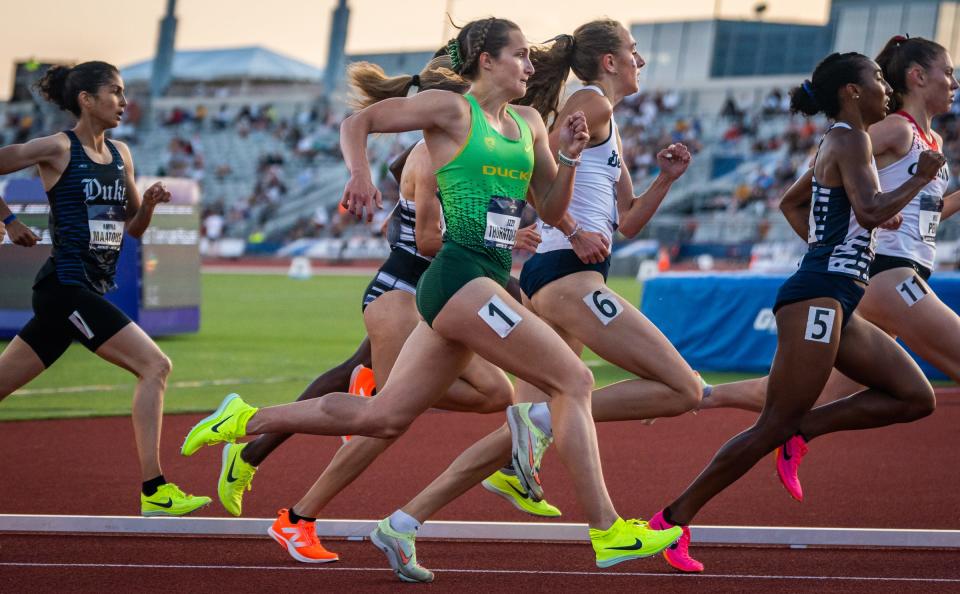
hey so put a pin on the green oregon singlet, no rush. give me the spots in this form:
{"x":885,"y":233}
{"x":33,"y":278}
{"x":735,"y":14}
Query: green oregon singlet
{"x":483,"y":190}
{"x":488,"y":169}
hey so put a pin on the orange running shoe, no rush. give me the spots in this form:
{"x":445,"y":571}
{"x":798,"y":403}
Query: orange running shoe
{"x":362,"y":383}
{"x":300,"y":540}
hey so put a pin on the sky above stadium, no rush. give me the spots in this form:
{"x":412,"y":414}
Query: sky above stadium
{"x":126,"y":32}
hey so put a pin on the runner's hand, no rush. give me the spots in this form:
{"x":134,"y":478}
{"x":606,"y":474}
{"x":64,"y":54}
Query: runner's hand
{"x":893,"y":223}
{"x":929,"y":164}
{"x":156,"y":194}
{"x":590,"y":247}
{"x":20,"y":234}
{"x":360,"y":195}
{"x":527,"y":239}
{"x":574,"y":135}
{"x":674,"y":160}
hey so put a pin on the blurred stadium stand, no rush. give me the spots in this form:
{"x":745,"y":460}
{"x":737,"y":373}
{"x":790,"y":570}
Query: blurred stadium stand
{"x":258,"y":132}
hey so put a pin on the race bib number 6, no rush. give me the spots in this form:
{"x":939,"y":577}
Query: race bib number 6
{"x":604,"y":305}
{"x":819,"y":324}
{"x":499,"y":316}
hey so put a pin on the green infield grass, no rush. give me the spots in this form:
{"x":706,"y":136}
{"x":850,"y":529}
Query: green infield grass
{"x":263,"y":336}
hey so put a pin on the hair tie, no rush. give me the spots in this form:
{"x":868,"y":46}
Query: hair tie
{"x":415,"y":81}
{"x":808,"y":88}
{"x":453,"y":50}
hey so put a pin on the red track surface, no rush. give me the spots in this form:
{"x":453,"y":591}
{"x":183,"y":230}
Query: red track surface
{"x":897,"y":477}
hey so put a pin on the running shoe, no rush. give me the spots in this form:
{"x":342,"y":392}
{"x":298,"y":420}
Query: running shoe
{"x":789,"y":456}
{"x":529,"y":443}
{"x":362,"y":383}
{"x":227,"y":423}
{"x":630,"y":539}
{"x":401,"y":551}
{"x":300,"y":540}
{"x":508,"y":487}
{"x":677,"y":554}
{"x":169,"y":500}
{"x":235,"y":478}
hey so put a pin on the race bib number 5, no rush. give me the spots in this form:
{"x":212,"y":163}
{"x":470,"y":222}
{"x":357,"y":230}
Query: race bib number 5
{"x":503,"y":221}
{"x":499,"y":316}
{"x":820,"y":324}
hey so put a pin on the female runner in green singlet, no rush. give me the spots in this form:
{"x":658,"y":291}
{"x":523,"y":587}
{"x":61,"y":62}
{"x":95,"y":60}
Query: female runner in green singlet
{"x":488,"y":157}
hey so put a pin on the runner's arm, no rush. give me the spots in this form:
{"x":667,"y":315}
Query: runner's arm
{"x":636,"y":211}
{"x":19,"y":233}
{"x":139,"y":209}
{"x":429,"y":213}
{"x":795,"y":204}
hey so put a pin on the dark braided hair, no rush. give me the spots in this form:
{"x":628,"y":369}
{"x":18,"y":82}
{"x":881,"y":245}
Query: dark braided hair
{"x":476,"y":37}
{"x":820,"y":93}
{"x":898,"y":55}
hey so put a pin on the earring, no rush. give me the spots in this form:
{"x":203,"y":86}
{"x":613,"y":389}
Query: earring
{"x":857,"y":97}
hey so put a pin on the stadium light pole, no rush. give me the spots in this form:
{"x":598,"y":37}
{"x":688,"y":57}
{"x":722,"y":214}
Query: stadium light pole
{"x":337,"y":50}
{"x":162,"y":67}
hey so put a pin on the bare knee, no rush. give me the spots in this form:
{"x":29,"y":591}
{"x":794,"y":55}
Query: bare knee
{"x":689,"y":393}
{"x":576,"y":382}
{"x":920,"y":403}
{"x":385,"y":424}
{"x":158,"y":368}
{"x":496,"y":397}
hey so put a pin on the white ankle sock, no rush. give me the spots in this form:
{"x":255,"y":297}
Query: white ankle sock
{"x":540,"y":415}
{"x":401,"y":521}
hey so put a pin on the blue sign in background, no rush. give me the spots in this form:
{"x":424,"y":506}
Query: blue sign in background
{"x":724,"y":322}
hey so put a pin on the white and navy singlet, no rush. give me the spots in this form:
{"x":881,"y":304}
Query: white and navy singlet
{"x":838,"y":244}
{"x":594,"y":202}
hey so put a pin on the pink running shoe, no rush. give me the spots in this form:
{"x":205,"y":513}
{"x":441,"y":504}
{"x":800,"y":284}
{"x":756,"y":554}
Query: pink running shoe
{"x":789,"y":456}
{"x":677,"y":554}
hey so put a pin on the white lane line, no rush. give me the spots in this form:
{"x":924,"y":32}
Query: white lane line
{"x":731,"y":576}
{"x":233,"y":381}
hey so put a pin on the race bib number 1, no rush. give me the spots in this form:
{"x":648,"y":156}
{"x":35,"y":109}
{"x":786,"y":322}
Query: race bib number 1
{"x":503,"y":221}
{"x":604,"y":305}
{"x":912,"y":291}
{"x":820,"y":324}
{"x":499,"y":316}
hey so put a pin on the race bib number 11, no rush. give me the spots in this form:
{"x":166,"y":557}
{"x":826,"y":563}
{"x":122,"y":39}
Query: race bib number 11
{"x":912,"y":291}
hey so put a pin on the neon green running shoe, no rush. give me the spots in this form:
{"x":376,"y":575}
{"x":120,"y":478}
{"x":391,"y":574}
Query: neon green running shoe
{"x":169,"y":500}
{"x":227,"y":423}
{"x":401,"y":551}
{"x":235,"y":478}
{"x":528,"y":443}
{"x":630,"y":539}
{"x":508,"y":487}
